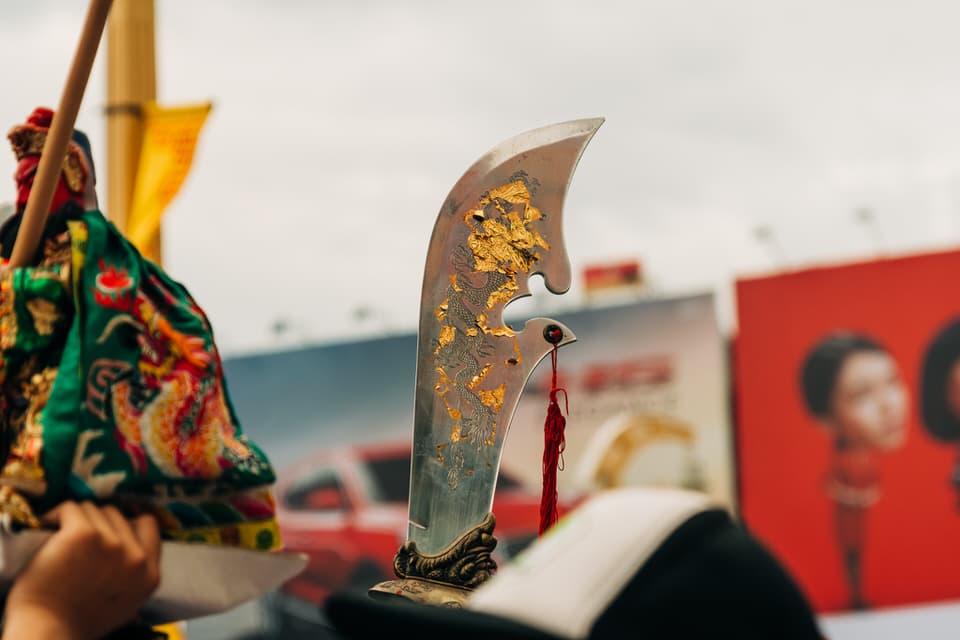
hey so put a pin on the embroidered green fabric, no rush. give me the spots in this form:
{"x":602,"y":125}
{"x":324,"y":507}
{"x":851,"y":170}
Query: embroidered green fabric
{"x":113,"y":390}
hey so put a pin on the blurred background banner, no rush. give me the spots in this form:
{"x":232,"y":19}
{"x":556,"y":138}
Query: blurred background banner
{"x":840,"y":384}
{"x":618,"y":276}
{"x":170,"y":137}
{"x":648,"y":398}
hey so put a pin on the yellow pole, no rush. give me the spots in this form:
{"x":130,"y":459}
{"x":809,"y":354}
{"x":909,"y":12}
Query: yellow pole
{"x":131,"y":81}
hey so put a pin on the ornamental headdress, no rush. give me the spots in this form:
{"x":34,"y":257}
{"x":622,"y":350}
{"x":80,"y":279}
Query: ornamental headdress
{"x":27,"y":140}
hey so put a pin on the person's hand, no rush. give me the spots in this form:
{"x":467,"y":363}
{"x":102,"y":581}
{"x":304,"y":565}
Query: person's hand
{"x":89,"y":578}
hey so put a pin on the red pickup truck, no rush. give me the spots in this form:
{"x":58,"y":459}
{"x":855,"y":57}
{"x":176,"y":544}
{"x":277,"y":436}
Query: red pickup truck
{"x":346,"y":508}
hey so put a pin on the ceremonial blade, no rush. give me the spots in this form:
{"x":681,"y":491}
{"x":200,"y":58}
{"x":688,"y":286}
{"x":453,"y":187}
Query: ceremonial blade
{"x":500,"y":224}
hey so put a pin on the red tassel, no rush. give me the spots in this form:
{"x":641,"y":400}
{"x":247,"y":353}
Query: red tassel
{"x":553,"y":446}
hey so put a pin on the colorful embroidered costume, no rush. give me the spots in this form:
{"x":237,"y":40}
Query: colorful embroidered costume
{"x":112,"y":386}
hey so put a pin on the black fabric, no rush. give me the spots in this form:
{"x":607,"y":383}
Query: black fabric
{"x":136,"y":631}
{"x":356,"y":615}
{"x":709,"y":579}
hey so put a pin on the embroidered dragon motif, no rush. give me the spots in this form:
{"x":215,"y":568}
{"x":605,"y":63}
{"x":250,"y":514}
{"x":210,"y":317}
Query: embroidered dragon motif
{"x":169,"y":409}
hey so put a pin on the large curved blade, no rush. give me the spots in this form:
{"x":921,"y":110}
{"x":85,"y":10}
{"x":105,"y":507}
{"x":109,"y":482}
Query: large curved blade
{"x":500,"y":224}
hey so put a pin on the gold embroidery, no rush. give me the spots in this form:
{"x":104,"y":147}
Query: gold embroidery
{"x":8,"y":317}
{"x":57,"y":251}
{"x":14,"y":505}
{"x":23,"y":470}
{"x":78,"y":250}
{"x":45,"y":315}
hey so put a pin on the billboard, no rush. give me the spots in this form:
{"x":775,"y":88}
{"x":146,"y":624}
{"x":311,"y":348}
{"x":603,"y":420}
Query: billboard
{"x":847,"y":394}
{"x":648,"y":401}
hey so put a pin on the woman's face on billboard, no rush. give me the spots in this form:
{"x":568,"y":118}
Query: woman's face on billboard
{"x":870,"y":401}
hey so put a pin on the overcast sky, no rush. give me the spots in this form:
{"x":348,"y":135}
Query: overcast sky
{"x":340,"y":126}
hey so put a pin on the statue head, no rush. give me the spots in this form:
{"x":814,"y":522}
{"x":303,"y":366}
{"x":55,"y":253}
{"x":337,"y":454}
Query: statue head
{"x":77,"y":178}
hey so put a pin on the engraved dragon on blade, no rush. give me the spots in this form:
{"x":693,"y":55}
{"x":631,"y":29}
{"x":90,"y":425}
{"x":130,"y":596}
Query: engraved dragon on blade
{"x":502,"y":244}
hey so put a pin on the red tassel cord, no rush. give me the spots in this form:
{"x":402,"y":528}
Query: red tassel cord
{"x":553,"y":446}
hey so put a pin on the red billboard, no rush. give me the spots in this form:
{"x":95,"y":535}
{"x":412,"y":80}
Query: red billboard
{"x":845,"y":430}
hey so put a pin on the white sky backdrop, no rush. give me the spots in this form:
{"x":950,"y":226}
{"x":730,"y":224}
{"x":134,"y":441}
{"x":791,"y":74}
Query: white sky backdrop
{"x":340,"y":126}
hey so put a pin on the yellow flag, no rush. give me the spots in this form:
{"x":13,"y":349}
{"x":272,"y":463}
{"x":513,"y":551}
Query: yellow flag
{"x":169,"y":139}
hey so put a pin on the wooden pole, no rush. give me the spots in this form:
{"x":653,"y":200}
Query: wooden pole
{"x":131,"y":81}
{"x":55,"y":147}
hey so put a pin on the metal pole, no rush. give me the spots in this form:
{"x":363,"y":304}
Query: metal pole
{"x":131,"y":81}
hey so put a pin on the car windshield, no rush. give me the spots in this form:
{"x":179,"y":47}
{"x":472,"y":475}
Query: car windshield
{"x":389,"y":479}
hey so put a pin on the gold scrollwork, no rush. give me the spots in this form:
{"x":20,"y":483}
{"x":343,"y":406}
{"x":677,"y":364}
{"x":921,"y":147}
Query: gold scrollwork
{"x":465,"y":564}
{"x":45,"y":315}
{"x":423,"y":592}
{"x":8,"y":316}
